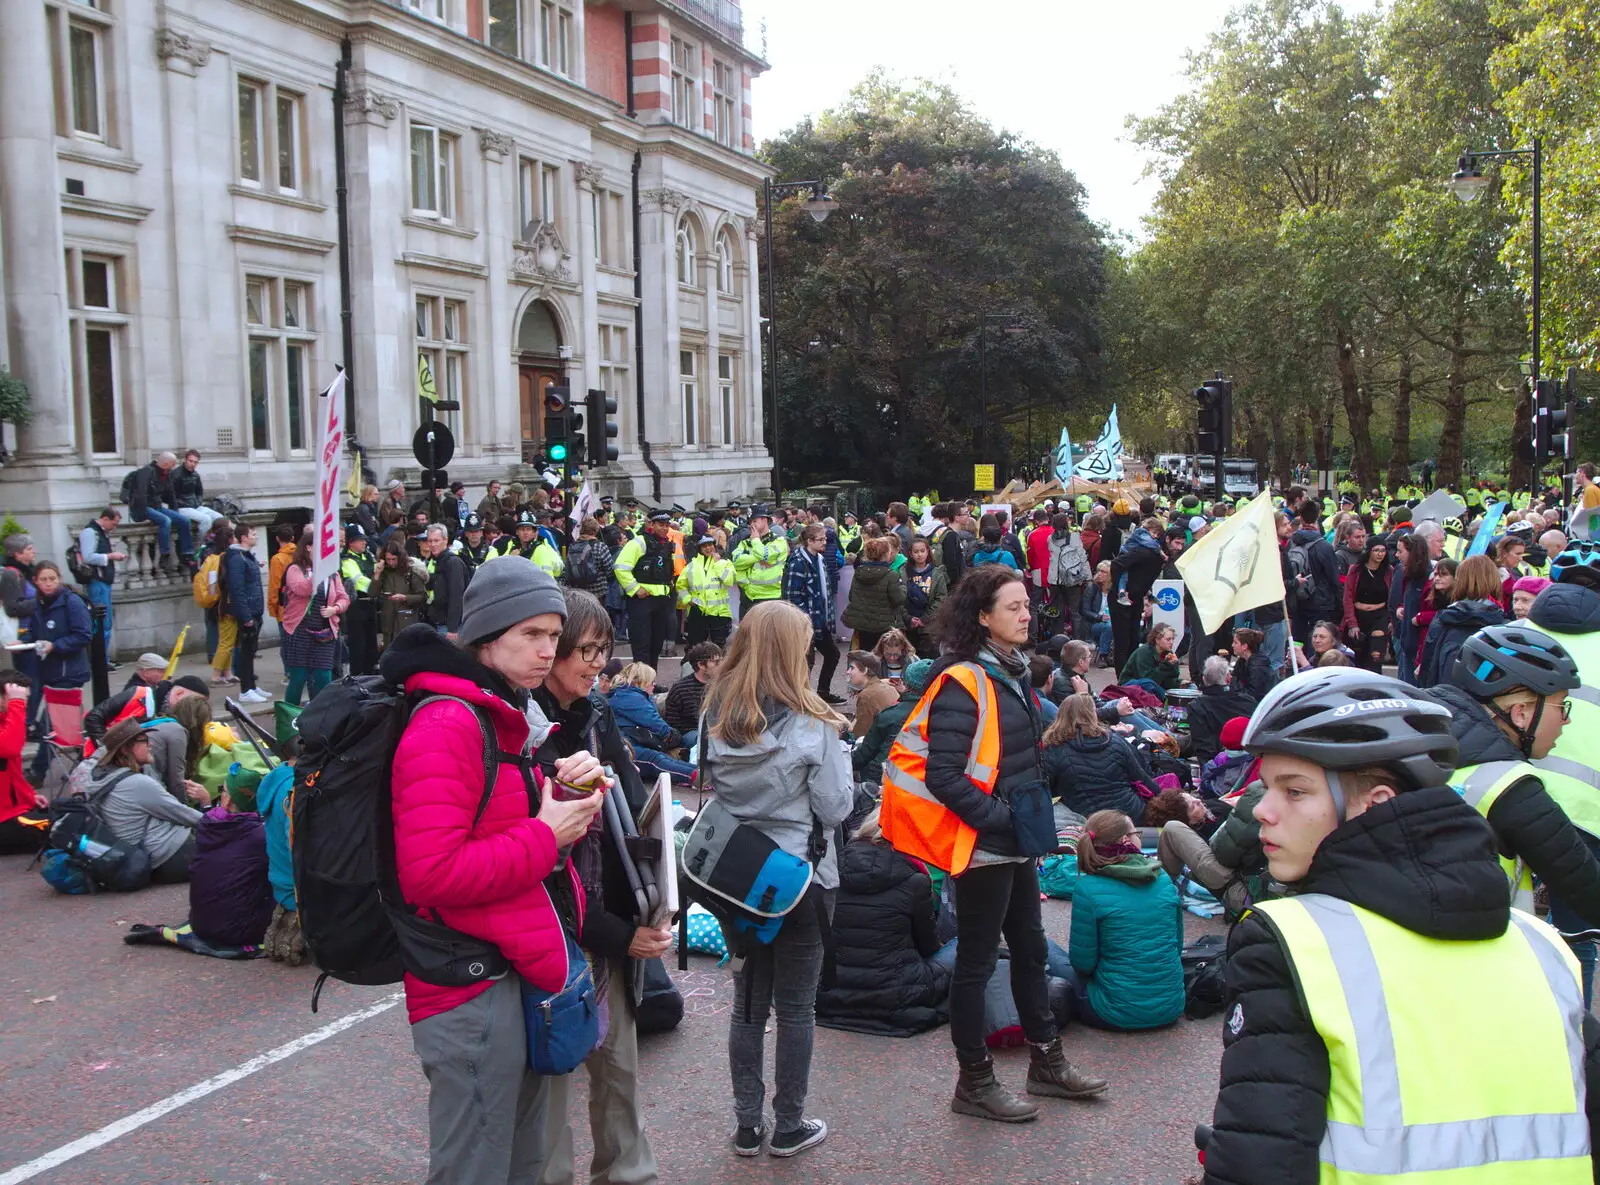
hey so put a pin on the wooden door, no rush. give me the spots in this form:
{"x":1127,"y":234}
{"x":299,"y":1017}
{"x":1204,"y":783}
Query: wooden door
{"x":531,"y":384}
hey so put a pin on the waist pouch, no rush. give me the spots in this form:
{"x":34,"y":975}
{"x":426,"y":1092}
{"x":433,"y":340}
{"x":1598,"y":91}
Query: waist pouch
{"x":436,"y":954}
{"x":1033,"y":819}
{"x":564,"y":1026}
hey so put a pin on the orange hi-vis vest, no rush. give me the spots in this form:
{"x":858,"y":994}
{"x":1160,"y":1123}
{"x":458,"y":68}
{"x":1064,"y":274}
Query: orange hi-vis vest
{"x":913,"y":820}
{"x":141,"y":707}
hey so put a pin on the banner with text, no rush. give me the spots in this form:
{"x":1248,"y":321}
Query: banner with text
{"x":325,"y":538}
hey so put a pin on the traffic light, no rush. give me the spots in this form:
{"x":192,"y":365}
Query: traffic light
{"x":557,"y":403}
{"x":1546,"y":401}
{"x":1214,"y":422}
{"x":602,"y":428}
{"x":577,"y":439}
{"x":1563,"y":441}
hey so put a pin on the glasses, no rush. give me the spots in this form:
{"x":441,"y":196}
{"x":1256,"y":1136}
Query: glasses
{"x":1566,"y":711}
{"x":594,"y":652}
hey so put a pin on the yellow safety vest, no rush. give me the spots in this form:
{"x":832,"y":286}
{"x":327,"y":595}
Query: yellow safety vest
{"x":547,"y":558}
{"x":1571,"y":772}
{"x":759,"y":565}
{"x":704,"y":584}
{"x":1422,"y":1090}
{"x":1481,"y":786}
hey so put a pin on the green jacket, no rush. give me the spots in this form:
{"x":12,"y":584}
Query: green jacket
{"x":1127,"y":939}
{"x":868,"y":757}
{"x":1237,"y":843}
{"x":1143,"y":664}
{"x":758,"y":565}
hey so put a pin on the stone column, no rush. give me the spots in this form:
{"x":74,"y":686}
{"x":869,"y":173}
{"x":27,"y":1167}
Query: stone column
{"x":494,"y":425}
{"x":30,"y":235}
{"x":754,"y":376}
{"x":658,"y":258}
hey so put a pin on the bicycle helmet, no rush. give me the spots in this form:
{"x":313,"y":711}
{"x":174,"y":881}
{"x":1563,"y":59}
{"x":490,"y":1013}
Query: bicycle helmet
{"x":1347,"y":719}
{"x":1579,"y":563}
{"x":1502,"y":658}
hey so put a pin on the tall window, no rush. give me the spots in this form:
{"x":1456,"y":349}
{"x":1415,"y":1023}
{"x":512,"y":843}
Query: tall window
{"x":725,"y":98}
{"x":687,"y":260}
{"x":549,"y":193}
{"x":689,"y":396}
{"x":504,"y":34}
{"x":269,"y":136}
{"x":96,"y":323}
{"x":538,"y":194}
{"x":555,"y":35}
{"x":279,"y":341}
{"x":85,"y":66}
{"x":725,"y":395}
{"x":616,"y":365}
{"x":725,"y":262}
{"x":611,"y":229}
{"x":433,"y":173}
{"x":685,"y":83}
{"x":441,"y":356}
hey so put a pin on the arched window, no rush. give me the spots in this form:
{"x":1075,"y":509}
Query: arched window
{"x":686,"y":254}
{"x":725,"y":263}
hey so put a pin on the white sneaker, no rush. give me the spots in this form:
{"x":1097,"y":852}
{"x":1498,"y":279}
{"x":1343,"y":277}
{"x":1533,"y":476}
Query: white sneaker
{"x":255,"y":697}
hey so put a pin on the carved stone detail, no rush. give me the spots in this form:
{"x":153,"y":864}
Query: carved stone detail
{"x":540,"y":256}
{"x":495,"y":144}
{"x":589,"y":176}
{"x":181,"y":52}
{"x":668,"y":200}
{"x":368,"y":106}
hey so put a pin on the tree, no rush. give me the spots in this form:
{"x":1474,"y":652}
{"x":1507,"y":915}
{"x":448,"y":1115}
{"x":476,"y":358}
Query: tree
{"x":942,"y":219}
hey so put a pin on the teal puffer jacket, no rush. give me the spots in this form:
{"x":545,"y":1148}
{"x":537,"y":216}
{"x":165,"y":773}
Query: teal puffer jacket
{"x":1127,"y":936}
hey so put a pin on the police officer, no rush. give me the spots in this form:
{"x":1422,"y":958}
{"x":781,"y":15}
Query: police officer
{"x":644,"y":571}
{"x":1394,"y":1018}
{"x":472,"y":547}
{"x":759,"y":561}
{"x":360,"y":621}
{"x":703,"y":588}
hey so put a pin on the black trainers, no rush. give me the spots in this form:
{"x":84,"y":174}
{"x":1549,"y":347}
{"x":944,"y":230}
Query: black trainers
{"x":829,"y":698}
{"x":809,"y":1134}
{"x":747,"y":1140}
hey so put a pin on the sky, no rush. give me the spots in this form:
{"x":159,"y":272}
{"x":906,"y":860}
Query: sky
{"x":1062,"y":73}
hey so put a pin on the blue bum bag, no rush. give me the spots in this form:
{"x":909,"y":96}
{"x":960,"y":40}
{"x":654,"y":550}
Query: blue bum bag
{"x":564,"y":1026}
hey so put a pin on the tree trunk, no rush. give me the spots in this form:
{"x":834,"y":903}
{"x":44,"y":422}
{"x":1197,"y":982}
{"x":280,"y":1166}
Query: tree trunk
{"x":1322,"y":434}
{"x":1357,"y":410}
{"x":1455,"y":415}
{"x":1297,"y":447}
{"x":1400,"y":440}
{"x":1283,"y":461}
{"x":1522,"y":472}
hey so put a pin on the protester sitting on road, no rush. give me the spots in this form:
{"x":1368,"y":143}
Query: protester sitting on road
{"x":177,"y":742}
{"x":1202,"y":817}
{"x":1127,"y":932}
{"x":138,"y":808}
{"x":1397,"y":883}
{"x":877,"y":594}
{"x":143,"y":699}
{"x":682,"y":709}
{"x":652,"y":737}
{"x":1324,"y":641}
{"x":1153,"y":665}
{"x":230,"y":896}
{"x":872,"y":746}
{"x":1253,"y":671}
{"x":614,"y":935}
{"x":1088,"y":766}
{"x":483,"y":871}
{"x":885,"y":934}
{"x":1524,"y":592}
{"x":17,"y":797}
{"x":1475,"y":603}
{"x":864,"y":678}
{"x":894,"y":651}
{"x":283,"y":942}
{"x":1218,"y":704}
{"x":1096,"y":612}
{"x":770,"y":746}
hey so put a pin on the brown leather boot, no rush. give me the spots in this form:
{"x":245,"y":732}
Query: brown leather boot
{"x":979,"y":1093}
{"x":1050,"y":1073}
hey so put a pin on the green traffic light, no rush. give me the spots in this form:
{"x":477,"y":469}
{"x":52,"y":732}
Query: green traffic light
{"x":558,"y":452}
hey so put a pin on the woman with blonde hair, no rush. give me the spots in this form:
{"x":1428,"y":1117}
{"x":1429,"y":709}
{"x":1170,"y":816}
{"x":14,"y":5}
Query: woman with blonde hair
{"x":770,"y":748}
{"x":1091,"y":768}
{"x":653,"y":739}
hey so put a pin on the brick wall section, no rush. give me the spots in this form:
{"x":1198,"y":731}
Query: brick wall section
{"x":475,"y":24}
{"x":605,"y":48}
{"x":745,"y":114}
{"x":652,"y":68}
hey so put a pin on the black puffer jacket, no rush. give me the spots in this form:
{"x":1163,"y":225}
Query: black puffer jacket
{"x":1527,"y":821}
{"x":884,"y":932}
{"x":952,"y":721}
{"x":1426,"y":861}
{"x":1454,"y":624}
{"x":1215,"y":707}
{"x":1092,"y":774}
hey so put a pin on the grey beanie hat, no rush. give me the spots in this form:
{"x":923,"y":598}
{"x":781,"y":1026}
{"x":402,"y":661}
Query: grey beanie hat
{"x":504,"y":592}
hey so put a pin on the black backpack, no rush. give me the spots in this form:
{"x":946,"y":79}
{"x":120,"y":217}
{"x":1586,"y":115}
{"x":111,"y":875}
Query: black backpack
{"x":582,"y":571}
{"x":79,"y":829}
{"x":125,"y":493}
{"x":1205,"y":963}
{"x":81,"y":572}
{"x":1300,"y":565}
{"x":356,"y":925}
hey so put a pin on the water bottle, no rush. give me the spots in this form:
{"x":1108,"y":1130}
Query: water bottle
{"x":90,"y":849}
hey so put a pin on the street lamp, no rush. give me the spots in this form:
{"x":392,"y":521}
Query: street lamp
{"x":1009,"y":321}
{"x":819,"y":205}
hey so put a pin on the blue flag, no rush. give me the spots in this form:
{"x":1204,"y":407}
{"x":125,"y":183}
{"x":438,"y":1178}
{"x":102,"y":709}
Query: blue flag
{"x":1063,"y":459}
{"x":1103,"y":462}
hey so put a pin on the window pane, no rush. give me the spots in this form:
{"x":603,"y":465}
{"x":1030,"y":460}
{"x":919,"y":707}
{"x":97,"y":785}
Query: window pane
{"x":84,"y":50}
{"x":249,"y":131}
{"x":527,"y":183}
{"x":724,"y":366}
{"x":727,"y":413}
{"x":446,"y":205}
{"x":424,"y":319}
{"x":563,"y":43}
{"x":599,"y":230}
{"x":452,"y":321}
{"x":546,"y":31}
{"x":255,"y":302}
{"x":296,"y":376}
{"x":686,"y":363}
{"x":549,"y":190}
{"x":503,"y":26}
{"x":293,"y":300}
{"x":288,"y":142}
{"x":452,"y":376}
{"x":96,"y":284}
{"x":690,"y":426}
{"x":100,"y":370}
{"x":260,"y":438}
{"x":422,"y":170}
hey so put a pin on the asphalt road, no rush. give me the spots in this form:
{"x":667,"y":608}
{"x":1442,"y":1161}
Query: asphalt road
{"x":93,"y":1032}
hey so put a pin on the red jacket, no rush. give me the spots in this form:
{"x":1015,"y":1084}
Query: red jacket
{"x":486,"y":880}
{"x":16,"y":796}
{"x":1039,"y":551}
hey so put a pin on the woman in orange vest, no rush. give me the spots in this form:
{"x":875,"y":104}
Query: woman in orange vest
{"x":971,"y":742}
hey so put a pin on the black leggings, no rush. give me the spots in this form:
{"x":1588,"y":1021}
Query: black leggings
{"x":994,"y":900}
{"x":822,"y":643}
{"x":244,"y":655}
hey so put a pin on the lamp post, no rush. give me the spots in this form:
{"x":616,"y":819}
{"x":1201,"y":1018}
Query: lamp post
{"x":819,"y":205}
{"x":985,"y":320}
{"x":1468,"y":183}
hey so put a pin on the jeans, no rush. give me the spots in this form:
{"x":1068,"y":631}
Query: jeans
{"x":994,"y":900}
{"x":1100,"y":631}
{"x":781,"y":977}
{"x":1564,"y":917}
{"x":100,"y":594}
{"x":299,"y":677}
{"x":1275,"y":642}
{"x":165,"y":520}
{"x":202,"y":517}
{"x":662,"y":762}
{"x":1078,"y":1001}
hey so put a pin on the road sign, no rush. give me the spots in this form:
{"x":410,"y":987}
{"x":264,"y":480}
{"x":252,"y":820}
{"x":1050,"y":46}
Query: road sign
{"x":433,"y":445}
{"x":982,"y":479}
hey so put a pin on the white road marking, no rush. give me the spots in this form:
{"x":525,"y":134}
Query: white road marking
{"x":128,"y":1123}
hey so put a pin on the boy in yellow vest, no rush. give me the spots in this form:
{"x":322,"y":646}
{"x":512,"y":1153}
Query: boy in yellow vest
{"x":1392,"y":1018}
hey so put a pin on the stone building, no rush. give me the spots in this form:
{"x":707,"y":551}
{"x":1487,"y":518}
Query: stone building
{"x":539,"y":191}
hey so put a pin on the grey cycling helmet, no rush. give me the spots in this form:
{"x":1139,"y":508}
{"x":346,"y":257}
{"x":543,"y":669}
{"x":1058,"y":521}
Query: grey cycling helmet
{"x":1502,"y":658}
{"x":1346,"y":719}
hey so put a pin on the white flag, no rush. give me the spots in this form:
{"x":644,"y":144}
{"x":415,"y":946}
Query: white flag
{"x":325,"y":539}
{"x":583,"y":507}
{"x":1103,"y":461}
{"x":1063,"y":459}
{"x":1234,"y":566}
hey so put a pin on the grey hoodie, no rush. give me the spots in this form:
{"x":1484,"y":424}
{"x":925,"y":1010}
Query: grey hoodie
{"x":797,"y":768}
{"x":139,"y":810}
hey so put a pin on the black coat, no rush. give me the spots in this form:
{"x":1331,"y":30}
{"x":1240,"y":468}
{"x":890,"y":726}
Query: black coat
{"x":1426,"y":861}
{"x":1256,"y":675}
{"x":1092,"y":774}
{"x":884,"y":932}
{"x":952,"y":721}
{"x":1215,"y":707}
{"x":1453,"y":625}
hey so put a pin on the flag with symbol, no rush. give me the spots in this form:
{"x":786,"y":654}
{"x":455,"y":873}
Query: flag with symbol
{"x":1063,"y":459}
{"x":583,"y":507}
{"x":1235,"y":566}
{"x":1103,"y":462}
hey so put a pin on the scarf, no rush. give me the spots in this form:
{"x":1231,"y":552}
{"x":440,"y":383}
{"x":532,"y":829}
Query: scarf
{"x":1114,"y":850}
{"x":1012,"y":662}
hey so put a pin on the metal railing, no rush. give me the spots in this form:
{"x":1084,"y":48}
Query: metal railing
{"x":723,"y":16}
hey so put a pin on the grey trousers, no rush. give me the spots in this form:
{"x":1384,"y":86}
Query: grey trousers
{"x":1178,"y":845}
{"x":783,"y":978}
{"x":486,"y":1109}
{"x":622,"y":1152}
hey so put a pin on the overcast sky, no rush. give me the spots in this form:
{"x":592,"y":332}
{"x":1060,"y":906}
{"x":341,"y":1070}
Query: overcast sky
{"x":1063,"y":73}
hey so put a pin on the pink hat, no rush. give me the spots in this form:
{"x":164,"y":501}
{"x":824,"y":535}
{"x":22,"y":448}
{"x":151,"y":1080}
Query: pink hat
{"x":1533,"y":584}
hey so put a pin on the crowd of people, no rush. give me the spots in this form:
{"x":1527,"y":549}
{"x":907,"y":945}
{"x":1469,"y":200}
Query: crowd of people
{"x":1345,"y":820}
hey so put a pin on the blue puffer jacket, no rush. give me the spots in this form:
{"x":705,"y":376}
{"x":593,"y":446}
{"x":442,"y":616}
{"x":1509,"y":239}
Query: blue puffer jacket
{"x":1092,"y":774}
{"x":241,"y":576}
{"x":63,"y":621}
{"x":1127,"y":936}
{"x":634,"y":708}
